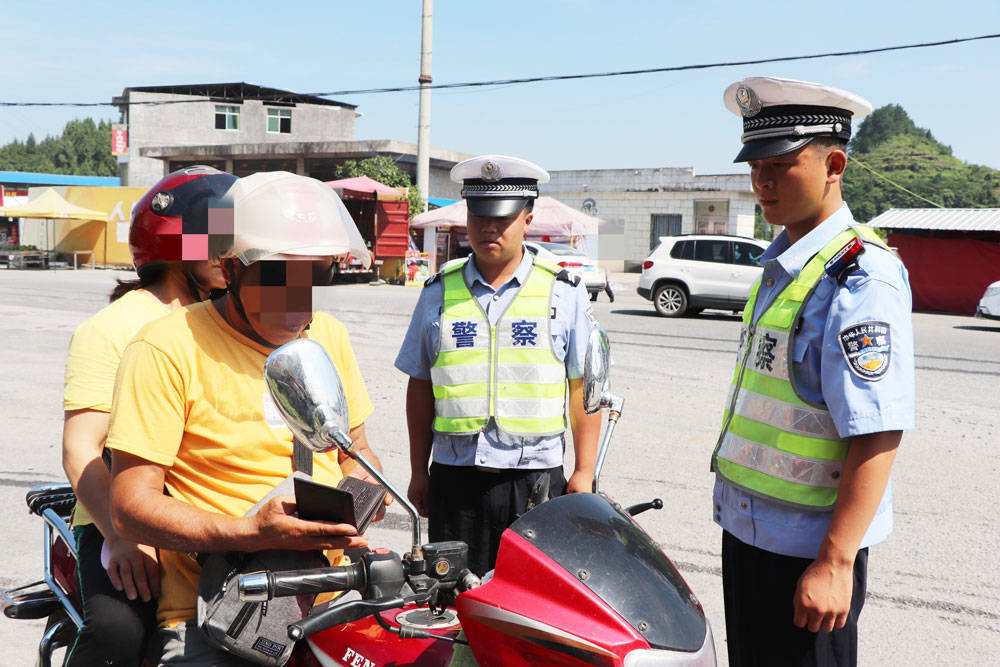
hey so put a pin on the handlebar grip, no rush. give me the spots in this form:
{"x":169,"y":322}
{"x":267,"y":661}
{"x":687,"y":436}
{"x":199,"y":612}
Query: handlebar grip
{"x":340,"y":614}
{"x":654,"y":504}
{"x":302,"y":582}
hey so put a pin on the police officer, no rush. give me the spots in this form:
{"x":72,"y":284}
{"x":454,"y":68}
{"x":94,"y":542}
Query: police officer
{"x":822,"y":391}
{"x":493,"y":342}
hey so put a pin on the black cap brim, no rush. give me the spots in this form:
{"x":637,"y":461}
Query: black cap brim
{"x":495,"y":207}
{"x":759,"y":149}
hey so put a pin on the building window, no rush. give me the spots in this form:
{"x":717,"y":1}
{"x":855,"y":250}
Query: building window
{"x":227,"y":117}
{"x":663,"y":224}
{"x":279,"y":121}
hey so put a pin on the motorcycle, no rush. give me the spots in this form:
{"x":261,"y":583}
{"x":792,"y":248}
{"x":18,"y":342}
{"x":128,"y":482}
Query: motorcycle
{"x":577,"y":580}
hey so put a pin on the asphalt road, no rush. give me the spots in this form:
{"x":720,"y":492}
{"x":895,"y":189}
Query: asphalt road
{"x":933,"y":596}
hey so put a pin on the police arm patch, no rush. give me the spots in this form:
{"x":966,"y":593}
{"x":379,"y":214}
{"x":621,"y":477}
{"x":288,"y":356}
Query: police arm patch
{"x":867,"y":348}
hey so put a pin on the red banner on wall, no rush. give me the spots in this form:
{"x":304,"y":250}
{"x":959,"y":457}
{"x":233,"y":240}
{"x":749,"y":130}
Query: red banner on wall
{"x":119,"y":139}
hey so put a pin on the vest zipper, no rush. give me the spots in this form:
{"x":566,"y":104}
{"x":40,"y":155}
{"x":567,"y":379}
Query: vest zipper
{"x":751,"y":330}
{"x":490,"y":393}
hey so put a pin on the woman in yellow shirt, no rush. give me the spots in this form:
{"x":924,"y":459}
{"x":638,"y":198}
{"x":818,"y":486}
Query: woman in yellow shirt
{"x":172,"y":249}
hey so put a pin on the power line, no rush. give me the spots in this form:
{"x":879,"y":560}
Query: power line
{"x":537,"y":79}
{"x":892,"y":182}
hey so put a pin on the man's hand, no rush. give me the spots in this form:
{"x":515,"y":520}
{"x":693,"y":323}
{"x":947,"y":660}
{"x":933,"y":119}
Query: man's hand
{"x":823,"y":596}
{"x":419,"y":492}
{"x":134,"y":569}
{"x":277,"y":527}
{"x":581,"y":481}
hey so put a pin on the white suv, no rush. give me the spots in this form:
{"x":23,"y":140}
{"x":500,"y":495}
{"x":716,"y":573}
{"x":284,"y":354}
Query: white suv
{"x":687,"y":273}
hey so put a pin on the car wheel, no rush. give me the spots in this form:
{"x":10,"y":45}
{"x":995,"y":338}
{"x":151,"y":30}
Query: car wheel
{"x":670,"y":300}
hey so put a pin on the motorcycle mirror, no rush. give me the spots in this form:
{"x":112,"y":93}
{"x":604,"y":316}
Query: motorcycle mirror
{"x":308,"y":394}
{"x":307,"y":391}
{"x":596,"y":382}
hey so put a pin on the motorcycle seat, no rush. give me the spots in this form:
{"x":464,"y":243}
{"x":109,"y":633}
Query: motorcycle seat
{"x":57,"y":497}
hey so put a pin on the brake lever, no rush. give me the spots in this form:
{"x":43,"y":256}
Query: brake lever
{"x":340,"y":614}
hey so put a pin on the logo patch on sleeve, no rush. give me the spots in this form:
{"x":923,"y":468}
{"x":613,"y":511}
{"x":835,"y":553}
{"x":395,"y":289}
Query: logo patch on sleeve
{"x":867,"y":348}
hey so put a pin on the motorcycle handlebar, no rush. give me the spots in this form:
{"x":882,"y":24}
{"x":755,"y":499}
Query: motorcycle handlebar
{"x":262,"y":586}
{"x":340,"y":614}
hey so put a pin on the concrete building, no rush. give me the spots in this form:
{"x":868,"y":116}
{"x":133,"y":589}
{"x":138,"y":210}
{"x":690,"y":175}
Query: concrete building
{"x":244,"y":128}
{"x":637,"y":206}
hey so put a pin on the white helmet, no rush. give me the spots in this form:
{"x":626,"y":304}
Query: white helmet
{"x":280,"y":213}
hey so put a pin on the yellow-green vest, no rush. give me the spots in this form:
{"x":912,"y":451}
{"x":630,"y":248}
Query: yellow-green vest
{"x":509,"y":372}
{"x":774,"y":443}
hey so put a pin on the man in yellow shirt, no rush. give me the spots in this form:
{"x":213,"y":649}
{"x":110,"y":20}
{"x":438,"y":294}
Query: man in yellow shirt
{"x":192,"y":414}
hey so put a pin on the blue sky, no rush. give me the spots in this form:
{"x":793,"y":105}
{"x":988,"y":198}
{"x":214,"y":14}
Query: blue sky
{"x":61,"y":51}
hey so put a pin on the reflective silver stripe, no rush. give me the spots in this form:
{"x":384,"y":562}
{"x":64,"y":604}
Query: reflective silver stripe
{"x":741,"y":348}
{"x":459,"y":408}
{"x":769,"y":353}
{"x":779,"y":464}
{"x":799,"y":419}
{"x":531,"y":373}
{"x":460,"y":374}
{"x":516,"y":408}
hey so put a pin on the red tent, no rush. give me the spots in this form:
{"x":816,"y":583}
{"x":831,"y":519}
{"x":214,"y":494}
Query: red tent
{"x":365,"y":185}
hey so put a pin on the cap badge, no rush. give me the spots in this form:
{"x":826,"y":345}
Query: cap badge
{"x":161,"y":202}
{"x":748,"y":101}
{"x":491,"y":171}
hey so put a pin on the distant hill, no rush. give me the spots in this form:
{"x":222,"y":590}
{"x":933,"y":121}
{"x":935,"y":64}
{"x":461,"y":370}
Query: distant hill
{"x":890,"y":143}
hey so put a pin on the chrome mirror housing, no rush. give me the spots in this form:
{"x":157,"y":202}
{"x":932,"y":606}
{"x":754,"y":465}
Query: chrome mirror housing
{"x":596,"y":380}
{"x":308,"y":394}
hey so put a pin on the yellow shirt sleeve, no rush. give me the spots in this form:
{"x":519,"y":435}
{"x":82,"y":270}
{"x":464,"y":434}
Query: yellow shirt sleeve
{"x":148,"y":411}
{"x":90,"y":369}
{"x":97,"y":347}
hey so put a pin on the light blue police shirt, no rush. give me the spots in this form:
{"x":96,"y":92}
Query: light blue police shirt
{"x":572,"y":320}
{"x":878,"y":290}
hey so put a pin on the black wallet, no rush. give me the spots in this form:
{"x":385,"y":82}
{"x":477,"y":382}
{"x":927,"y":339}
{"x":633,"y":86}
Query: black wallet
{"x":353,"y":501}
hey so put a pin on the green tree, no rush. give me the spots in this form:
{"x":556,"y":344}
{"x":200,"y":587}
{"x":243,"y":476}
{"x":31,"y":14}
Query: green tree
{"x":761,"y":230}
{"x":384,"y":170}
{"x":84,"y":147}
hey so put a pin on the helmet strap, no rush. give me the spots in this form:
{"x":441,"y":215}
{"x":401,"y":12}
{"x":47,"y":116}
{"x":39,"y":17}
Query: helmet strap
{"x":197,"y":290}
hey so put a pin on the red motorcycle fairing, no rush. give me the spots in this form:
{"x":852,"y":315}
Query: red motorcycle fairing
{"x":535,"y":612}
{"x":366,"y":643}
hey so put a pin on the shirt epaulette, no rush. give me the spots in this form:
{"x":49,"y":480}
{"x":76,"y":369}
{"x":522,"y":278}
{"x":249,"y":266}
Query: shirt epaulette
{"x":433,"y":279}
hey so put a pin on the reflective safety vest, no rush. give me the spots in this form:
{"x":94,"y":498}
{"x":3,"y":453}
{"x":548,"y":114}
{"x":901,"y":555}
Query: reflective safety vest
{"x":775,"y":443}
{"x":509,"y":372}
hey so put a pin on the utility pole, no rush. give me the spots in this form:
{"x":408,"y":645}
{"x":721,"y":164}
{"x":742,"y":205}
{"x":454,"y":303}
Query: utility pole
{"x":424,"y":128}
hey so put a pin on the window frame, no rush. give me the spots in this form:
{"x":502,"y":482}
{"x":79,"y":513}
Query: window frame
{"x":280,"y":115}
{"x":228,"y":111}
{"x":727,"y":245}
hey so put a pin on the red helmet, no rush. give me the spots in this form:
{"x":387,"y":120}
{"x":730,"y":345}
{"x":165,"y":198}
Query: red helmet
{"x":171,"y":221}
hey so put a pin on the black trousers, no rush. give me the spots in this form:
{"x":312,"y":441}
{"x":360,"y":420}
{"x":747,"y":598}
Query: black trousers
{"x":476,"y":506}
{"x":759,"y":589}
{"x":115,"y":629}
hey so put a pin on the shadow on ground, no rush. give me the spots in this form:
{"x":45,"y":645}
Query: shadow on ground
{"x":963,"y":327}
{"x":708,"y":315}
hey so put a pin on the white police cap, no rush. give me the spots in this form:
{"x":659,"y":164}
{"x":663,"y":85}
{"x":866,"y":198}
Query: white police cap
{"x":497,"y":186}
{"x":783,"y":115}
